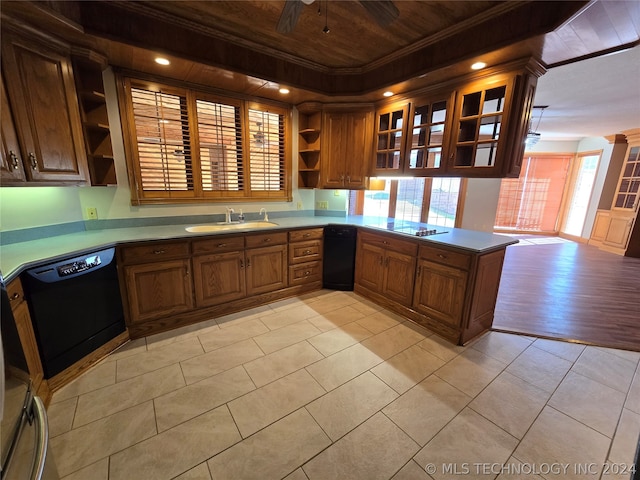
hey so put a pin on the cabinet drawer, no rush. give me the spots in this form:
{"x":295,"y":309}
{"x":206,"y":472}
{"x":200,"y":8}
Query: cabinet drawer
{"x":305,"y":273}
{"x":154,"y":252}
{"x":307,"y":234}
{"x":446,"y":257}
{"x":300,"y":252}
{"x":15,"y":292}
{"x":213,"y":245}
{"x":388,"y":243}
{"x":265,"y":239}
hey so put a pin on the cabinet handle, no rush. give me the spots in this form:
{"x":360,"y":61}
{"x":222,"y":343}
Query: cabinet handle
{"x":14,"y":159}
{"x":32,"y":159}
{"x":381,"y":260}
{"x":306,"y":235}
{"x":266,"y":240}
{"x":307,"y":273}
{"x":187,"y":272}
{"x":342,"y":179}
{"x":419,"y":271}
{"x":385,"y":242}
{"x":222,"y":245}
{"x":241,"y":263}
{"x":443,"y":257}
{"x":15,"y":296}
{"x":306,"y":252}
{"x":386,"y":263}
{"x":248,"y":262}
{"x":158,"y":252}
{"x":348,"y":178}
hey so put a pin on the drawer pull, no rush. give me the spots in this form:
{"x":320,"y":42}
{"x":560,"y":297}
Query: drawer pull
{"x":15,"y":296}
{"x":266,"y":240}
{"x":307,"y":273}
{"x":222,"y":245}
{"x":158,"y":252}
{"x":385,"y":242}
{"x":306,"y":235}
{"x":306,"y":252}
{"x":443,"y":257}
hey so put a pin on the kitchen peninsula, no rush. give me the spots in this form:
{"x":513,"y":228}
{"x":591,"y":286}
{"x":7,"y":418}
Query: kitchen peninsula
{"x":456,"y":273}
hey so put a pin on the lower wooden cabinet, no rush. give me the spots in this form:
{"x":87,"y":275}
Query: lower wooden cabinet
{"x":439,"y":292}
{"x":219,"y":278}
{"x":27,"y":339}
{"x":159,"y":289}
{"x":305,"y":256}
{"x":449,"y":291}
{"x":266,"y":268}
{"x":386,"y":266}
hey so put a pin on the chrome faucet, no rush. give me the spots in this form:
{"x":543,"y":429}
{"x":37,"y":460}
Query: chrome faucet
{"x":266,"y":216}
{"x":229,"y":212}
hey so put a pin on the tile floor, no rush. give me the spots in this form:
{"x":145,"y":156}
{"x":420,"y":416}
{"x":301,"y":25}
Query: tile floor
{"x":331,"y":386}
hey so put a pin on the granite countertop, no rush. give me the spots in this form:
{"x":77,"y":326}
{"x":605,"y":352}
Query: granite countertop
{"x":14,"y":258}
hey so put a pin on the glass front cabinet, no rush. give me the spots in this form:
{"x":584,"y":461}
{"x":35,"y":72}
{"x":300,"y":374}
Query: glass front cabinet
{"x":478,"y":130}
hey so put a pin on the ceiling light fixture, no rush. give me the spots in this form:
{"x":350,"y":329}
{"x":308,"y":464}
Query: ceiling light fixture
{"x":533,"y":137}
{"x":478,"y":66}
{"x":162,"y":61}
{"x":284,"y":91}
{"x":388,"y":93}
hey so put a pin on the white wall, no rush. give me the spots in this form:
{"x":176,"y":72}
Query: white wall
{"x":481,"y":204}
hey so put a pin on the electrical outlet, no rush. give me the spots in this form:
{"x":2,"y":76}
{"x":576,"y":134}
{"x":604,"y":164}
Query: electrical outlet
{"x":323,"y":205}
{"x":92,"y":213}
{"x":299,"y":205}
{"x":336,"y":193}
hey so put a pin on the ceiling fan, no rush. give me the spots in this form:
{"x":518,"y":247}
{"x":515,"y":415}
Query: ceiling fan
{"x":383,"y":12}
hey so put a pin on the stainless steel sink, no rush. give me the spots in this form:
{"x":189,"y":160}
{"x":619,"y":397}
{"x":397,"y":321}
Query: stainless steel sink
{"x":229,"y":226}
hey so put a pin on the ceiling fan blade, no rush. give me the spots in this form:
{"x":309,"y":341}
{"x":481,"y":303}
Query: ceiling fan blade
{"x":383,"y":11}
{"x":289,"y":16}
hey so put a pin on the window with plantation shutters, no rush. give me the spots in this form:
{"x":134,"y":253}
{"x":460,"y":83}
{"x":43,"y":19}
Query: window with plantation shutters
{"x":188,"y":146}
{"x":266,"y":151}
{"x":162,"y":136}
{"x":221,"y":156}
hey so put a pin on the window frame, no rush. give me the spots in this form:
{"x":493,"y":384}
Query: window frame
{"x":140,"y":196}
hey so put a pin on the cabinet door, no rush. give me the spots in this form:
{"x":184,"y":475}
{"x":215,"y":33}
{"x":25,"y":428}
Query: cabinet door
{"x":390,"y":140}
{"x":219,"y":278}
{"x":266,"y":269}
{"x":399,"y":274}
{"x":346,"y":149}
{"x":479,"y":129}
{"x":370,"y":266}
{"x":439,"y":292}
{"x":620,"y":225}
{"x":45,"y":107}
{"x":156,"y":290}
{"x":11,"y":167}
{"x":428,"y":136}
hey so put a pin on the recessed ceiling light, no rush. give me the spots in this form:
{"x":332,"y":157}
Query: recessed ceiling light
{"x":162,"y":61}
{"x":388,"y":93}
{"x":284,"y":91}
{"x":478,"y":66}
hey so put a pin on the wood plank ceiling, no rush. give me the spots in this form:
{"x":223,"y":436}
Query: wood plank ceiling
{"x":235,"y":44}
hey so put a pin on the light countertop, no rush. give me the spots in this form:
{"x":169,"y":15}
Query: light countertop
{"x":17,"y":256}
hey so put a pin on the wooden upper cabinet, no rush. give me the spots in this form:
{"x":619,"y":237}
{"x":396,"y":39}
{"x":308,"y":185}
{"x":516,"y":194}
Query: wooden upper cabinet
{"x":42,"y":96}
{"x":11,"y":166}
{"x":346,"y":148}
{"x":412,"y":138}
{"x":390,"y":138}
{"x":490,"y":123}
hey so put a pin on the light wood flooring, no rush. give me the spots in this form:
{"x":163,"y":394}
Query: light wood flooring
{"x":555,"y":288}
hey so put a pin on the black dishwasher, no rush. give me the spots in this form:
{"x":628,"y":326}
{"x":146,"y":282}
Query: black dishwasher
{"x":339,"y":257}
{"x":75,"y":307}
